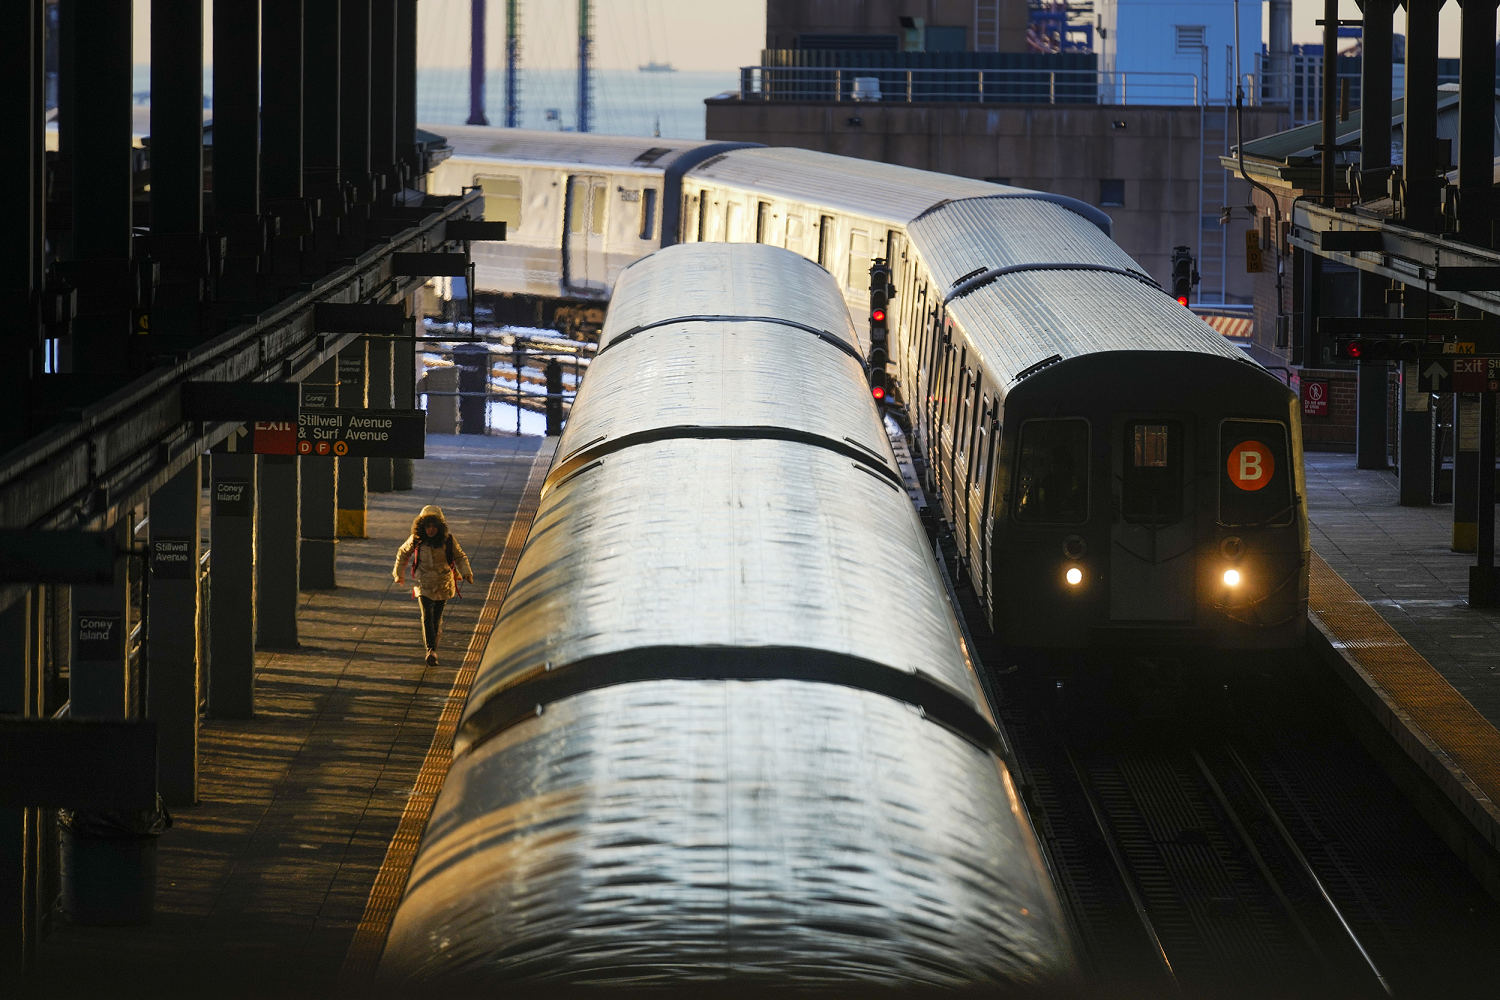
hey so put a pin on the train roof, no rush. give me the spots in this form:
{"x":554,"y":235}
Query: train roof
{"x":1015,"y":270}
{"x":862,"y":187}
{"x":726,"y":279}
{"x":579,"y":150}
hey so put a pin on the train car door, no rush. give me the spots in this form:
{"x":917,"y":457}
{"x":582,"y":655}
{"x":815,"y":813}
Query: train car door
{"x":1151,"y":565}
{"x":583,"y":233}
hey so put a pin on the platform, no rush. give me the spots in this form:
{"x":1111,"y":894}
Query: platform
{"x":263,"y":885}
{"x":1389,"y":605}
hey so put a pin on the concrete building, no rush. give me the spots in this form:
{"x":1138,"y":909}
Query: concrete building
{"x":1144,"y":146}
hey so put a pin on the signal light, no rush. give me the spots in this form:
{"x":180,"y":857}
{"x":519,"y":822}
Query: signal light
{"x":1378,"y":349}
{"x":878,"y":391}
{"x":877,"y":315}
{"x":1184,"y":273}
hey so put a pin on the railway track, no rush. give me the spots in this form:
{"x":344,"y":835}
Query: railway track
{"x":1244,"y":846}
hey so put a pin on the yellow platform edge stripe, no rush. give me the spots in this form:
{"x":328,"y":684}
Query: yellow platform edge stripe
{"x":385,"y":895}
{"x":1435,"y":725}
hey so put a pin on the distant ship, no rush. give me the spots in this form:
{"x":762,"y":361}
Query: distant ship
{"x":656,"y":67}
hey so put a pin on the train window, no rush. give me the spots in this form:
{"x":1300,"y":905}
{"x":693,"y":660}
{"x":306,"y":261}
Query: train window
{"x":1151,"y":491}
{"x":762,"y":220}
{"x":1255,"y":475}
{"x":702,"y":217}
{"x":825,"y":234}
{"x":648,"y":213}
{"x":1052,"y":472}
{"x":858,"y":274}
{"x":502,"y":200}
{"x":598,"y":199}
{"x":794,"y":233}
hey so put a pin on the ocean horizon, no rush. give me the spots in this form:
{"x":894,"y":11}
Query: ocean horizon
{"x":625,"y":101}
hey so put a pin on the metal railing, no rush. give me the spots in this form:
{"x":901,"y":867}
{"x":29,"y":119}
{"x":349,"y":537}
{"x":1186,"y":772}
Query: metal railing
{"x":982,"y":86}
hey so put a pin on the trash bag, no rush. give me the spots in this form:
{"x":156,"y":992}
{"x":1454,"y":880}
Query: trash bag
{"x":116,"y":824}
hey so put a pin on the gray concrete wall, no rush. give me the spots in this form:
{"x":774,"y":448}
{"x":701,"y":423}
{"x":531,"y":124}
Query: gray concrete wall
{"x":1153,"y":150}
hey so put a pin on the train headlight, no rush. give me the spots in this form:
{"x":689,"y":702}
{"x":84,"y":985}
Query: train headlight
{"x":1074,"y":576}
{"x":1231,"y":578}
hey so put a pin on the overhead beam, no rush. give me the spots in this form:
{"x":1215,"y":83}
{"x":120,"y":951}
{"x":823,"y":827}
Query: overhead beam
{"x":85,"y":473}
{"x":79,"y":763}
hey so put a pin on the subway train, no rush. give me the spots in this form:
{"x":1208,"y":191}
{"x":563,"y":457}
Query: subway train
{"x":726,"y":734}
{"x":1118,"y":478}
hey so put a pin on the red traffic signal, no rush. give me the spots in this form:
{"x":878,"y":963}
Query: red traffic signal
{"x":1182,"y":300}
{"x":1352,"y":349}
{"x":878,"y":391}
{"x":877,"y":315}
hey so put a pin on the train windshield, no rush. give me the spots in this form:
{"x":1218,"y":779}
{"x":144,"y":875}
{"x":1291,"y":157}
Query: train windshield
{"x":1255,"y":475}
{"x":1151,"y":491}
{"x":1052,"y":476}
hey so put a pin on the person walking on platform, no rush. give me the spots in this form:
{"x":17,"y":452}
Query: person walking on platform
{"x":436,"y":562}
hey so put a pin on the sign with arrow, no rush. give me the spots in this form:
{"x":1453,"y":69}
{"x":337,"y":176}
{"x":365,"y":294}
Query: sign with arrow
{"x":1459,"y":374}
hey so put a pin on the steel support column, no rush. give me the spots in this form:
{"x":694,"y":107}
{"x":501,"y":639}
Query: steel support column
{"x":320,"y":120}
{"x":1372,"y":388}
{"x":177,"y":169}
{"x":406,"y":91}
{"x":20,"y":844}
{"x":278,"y":540}
{"x":1415,"y":466}
{"x":1375,"y":93}
{"x":404,"y":389}
{"x":383,"y":93}
{"x":1476,"y":123}
{"x":1422,"y":208}
{"x":100,"y":684}
{"x":231,"y":602}
{"x":236,"y":153}
{"x":22,"y":182}
{"x":281,"y":136}
{"x":381,"y":396}
{"x":354,"y":118}
{"x":1465,"y":472}
{"x":172,"y":628}
{"x":1484,"y":588}
{"x":318,"y":492}
{"x":99,"y":136}
{"x":354,"y":375}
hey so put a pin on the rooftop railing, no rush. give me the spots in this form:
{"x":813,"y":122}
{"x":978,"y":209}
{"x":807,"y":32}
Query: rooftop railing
{"x":980,"y":86}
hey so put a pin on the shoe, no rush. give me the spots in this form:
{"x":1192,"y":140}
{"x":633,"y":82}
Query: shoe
{"x":431,"y":658}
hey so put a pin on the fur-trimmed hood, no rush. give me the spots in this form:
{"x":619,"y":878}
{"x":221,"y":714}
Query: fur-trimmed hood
{"x":430,"y":515}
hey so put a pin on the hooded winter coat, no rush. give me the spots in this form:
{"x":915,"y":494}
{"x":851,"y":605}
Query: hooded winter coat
{"x":432,"y":562}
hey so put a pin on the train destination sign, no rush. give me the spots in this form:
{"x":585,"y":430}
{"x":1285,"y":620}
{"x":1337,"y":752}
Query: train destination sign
{"x":337,"y":433}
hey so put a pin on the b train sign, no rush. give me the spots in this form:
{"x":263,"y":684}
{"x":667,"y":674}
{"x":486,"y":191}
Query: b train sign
{"x":344,"y":433}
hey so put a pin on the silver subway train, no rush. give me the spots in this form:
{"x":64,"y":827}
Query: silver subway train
{"x":726,"y":734}
{"x":1118,"y":478}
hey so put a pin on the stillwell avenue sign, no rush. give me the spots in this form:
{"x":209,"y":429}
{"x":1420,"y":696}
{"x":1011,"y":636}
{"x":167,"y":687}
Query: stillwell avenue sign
{"x":339,"y":433}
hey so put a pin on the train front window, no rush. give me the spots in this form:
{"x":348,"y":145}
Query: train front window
{"x":1255,"y":475}
{"x":1052,"y":474}
{"x":1151,"y":491}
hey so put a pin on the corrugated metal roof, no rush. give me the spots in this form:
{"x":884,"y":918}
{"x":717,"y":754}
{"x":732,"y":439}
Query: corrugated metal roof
{"x":861,"y":187}
{"x":726,"y":279}
{"x":1023,"y":318}
{"x":572,"y":148}
{"x":977,"y":234}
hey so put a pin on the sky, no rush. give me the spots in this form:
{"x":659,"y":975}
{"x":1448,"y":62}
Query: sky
{"x":689,"y":34}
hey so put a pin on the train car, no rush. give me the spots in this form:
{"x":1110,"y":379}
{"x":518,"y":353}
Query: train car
{"x":1008,"y":299}
{"x":725,"y":733}
{"x":1120,"y":478}
{"x":577,"y":207}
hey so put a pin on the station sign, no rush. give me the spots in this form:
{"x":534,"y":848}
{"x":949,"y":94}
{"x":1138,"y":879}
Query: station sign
{"x":1458,"y":374}
{"x":333,"y":433}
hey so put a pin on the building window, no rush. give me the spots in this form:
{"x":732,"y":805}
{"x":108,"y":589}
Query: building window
{"x":1111,"y":192}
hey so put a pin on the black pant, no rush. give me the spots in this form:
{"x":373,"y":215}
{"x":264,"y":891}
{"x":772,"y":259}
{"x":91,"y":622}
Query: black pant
{"x":432,"y":617}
